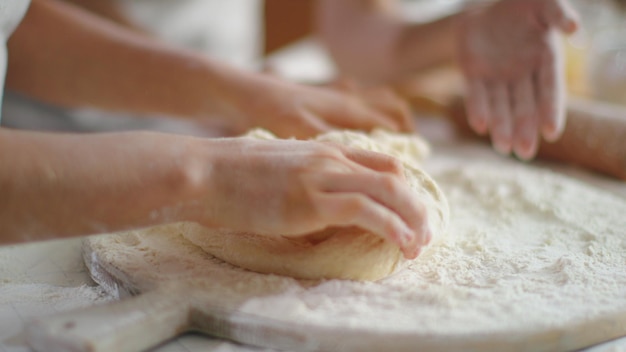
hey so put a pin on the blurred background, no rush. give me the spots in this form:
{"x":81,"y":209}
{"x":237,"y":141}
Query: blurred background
{"x":257,"y":34}
{"x":244,"y":32}
{"x":595,"y":55}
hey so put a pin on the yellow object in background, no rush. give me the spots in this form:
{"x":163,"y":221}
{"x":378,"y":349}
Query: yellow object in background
{"x":576,"y":65}
{"x":596,"y":54}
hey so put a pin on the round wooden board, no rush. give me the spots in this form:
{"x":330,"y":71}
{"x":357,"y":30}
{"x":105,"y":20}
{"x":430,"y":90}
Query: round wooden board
{"x":174,"y":294}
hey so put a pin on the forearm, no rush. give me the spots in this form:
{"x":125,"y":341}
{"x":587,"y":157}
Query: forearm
{"x":369,"y":41}
{"x":423,"y":46}
{"x":66,"y":56}
{"x":60,"y":185}
{"x":360,"y":35}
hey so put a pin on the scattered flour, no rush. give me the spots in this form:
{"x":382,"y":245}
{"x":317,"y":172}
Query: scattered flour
{"x":56,"y":298}
{"x":526,"y":251}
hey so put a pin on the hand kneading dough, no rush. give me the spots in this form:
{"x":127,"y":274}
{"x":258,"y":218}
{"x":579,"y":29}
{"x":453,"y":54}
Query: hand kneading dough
{"x":344,"y":253}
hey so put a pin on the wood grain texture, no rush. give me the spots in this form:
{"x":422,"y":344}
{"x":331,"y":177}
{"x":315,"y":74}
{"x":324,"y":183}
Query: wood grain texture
{"x":594,"y":137}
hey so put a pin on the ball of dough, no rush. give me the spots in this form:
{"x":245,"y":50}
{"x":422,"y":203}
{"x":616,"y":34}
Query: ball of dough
{"x":341,"y":253}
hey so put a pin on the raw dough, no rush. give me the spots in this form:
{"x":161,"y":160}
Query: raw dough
{"x":346,"y":253}
{"x":531,"y":259}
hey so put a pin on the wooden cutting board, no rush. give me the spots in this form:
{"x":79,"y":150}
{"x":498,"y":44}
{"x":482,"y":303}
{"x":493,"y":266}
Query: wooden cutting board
{"x":164,"y":293}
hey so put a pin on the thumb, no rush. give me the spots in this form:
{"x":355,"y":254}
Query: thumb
{"x":560,"y":14}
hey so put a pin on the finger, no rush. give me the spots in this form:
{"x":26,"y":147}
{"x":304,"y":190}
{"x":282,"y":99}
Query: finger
{"x":560,"y":14}
{"x":385,"y":189}
{"x":388,"y":102}
{"x":349,"y":111}
{"x":375,"y":161}
{"x":550,"y":87}
{"x":361,"y":160}
{"x":525,"y":126}
{"x":501,"y":119}
{"x":310,"y":126}
{"x":344,"y":84}
{"x":367,"y":119}
{"x":477,"y":106}
{"x":353,"y":209}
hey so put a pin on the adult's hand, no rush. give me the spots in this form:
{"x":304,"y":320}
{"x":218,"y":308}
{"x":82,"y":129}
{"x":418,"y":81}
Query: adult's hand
{"x":510,"y":55}
{"x":295,"y":110}
{"x":290,"y":187}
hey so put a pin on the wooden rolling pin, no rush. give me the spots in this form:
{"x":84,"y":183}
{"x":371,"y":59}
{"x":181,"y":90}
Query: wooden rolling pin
{"x":594,"y":137}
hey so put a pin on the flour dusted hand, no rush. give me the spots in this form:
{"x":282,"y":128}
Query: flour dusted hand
{"x":293,"y":188}
{"x":509,"y":53}
{"x":338,"y":207}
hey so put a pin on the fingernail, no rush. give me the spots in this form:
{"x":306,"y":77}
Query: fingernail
{"x":525,"y":153}
{"x":408,"y":237}
{"x":478,"y":125}
{"x":525,"y":145}
{"x":412,"y":253}
{"x":570,"y":26}
{"x":399,"y":235}
{"x":526,"y":150}
{"x":552,"y":133}
{"x":502,"y":139}
{"x":502,"y":147}
{"x":427,"y":236}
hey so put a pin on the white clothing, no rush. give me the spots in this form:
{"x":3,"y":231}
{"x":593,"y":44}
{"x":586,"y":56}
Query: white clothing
{"x":230,"y":31}
{"x":11,"y":13}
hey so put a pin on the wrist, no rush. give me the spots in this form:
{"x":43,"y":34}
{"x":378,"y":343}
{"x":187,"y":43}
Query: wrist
{"x":231,"y":90}
{"x":207,"y":89}
{"x":186,"y":180}
{"x":164,"y":177}
{"x":202,"y":178}
{"x":424,"y":46}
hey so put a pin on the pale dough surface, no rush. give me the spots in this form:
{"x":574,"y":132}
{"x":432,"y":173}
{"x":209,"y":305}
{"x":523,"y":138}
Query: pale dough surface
{"x":531,"y":259}
{"x":336,"y":253}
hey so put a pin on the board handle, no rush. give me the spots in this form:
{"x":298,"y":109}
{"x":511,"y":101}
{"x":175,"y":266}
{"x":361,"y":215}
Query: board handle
{"x":131,"y":325}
